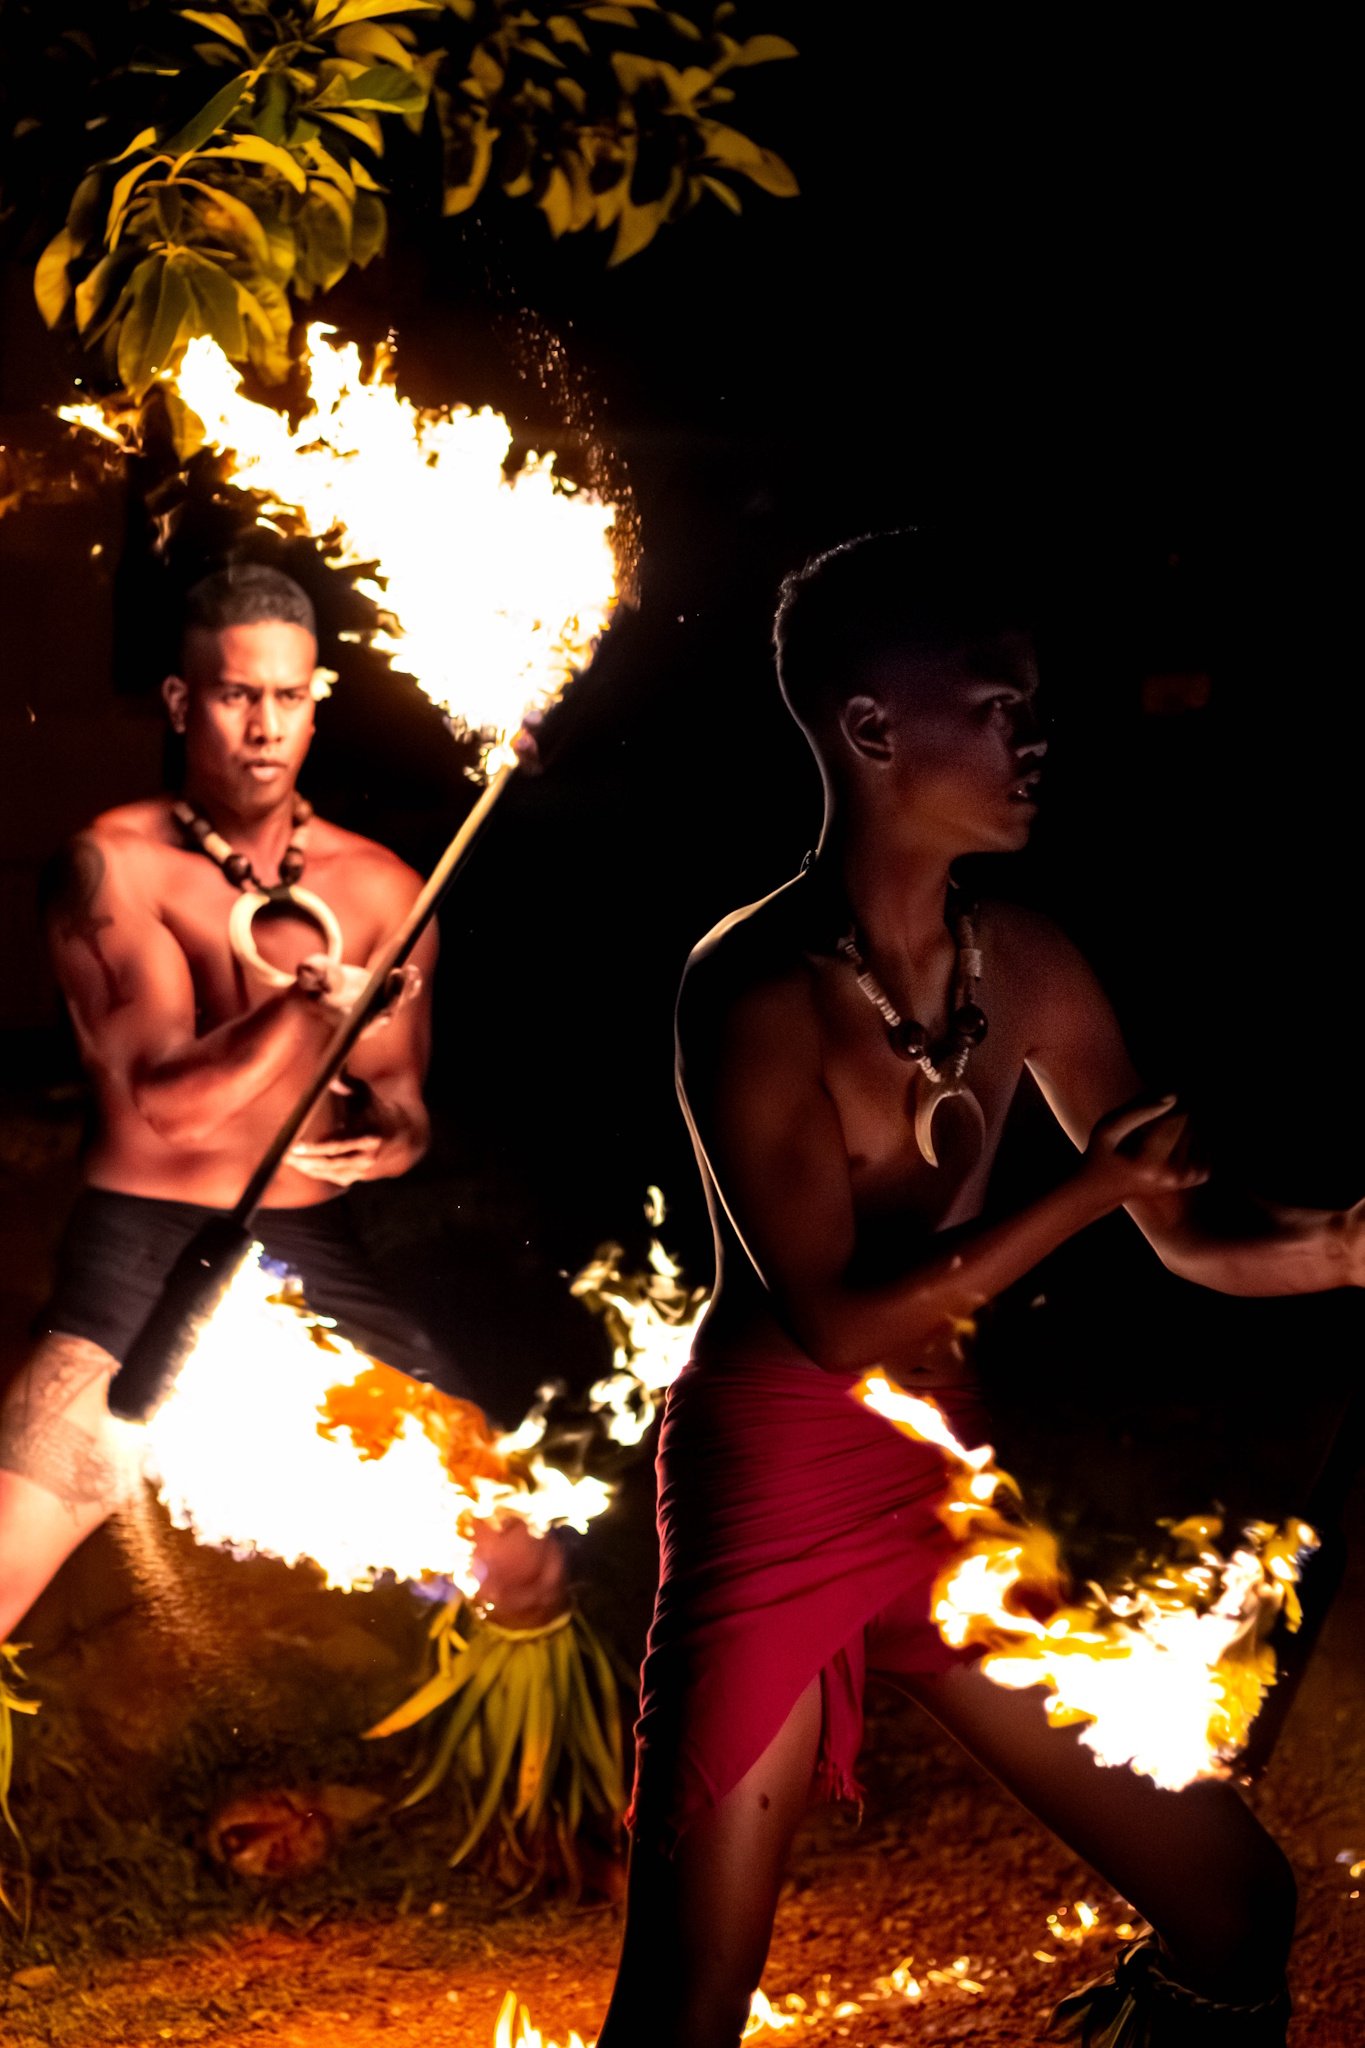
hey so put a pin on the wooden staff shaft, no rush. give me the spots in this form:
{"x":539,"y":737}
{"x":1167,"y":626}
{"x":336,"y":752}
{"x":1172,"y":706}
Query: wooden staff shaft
{"x":353,"y":1023}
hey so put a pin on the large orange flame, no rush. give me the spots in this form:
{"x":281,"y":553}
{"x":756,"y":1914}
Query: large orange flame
{"x":493,"y":587}
{"x":1164,"y":1673}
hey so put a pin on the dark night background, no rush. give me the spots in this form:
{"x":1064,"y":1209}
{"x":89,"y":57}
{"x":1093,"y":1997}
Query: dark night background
{"x":1085,"y":279}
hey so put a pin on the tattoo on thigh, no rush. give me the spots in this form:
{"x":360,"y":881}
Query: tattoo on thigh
{"x":39,"y":1440}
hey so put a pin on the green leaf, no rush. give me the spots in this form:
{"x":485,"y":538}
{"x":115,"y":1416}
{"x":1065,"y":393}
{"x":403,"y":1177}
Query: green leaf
{"x":360,"y":127}
{"x":85,"y":211}
{"x":142,"y":140}
{"x":326,"y":18}
{"x":462,"y":192}
{"x":386,"y":89}
{"x":140,"y":296}
{"x":323,"y":229}
{"x":633,"y":71}
{"x":565,"y":29}
{"x":224,"y":215}
{"x":369,"y":229}
{"x":51,"y":284}
{"x":373,"y":45}
{"x":186,"y":427}
{"x":219,"y":25}
{"x":93,"y":290}
{"x":271,"y":109}
{"x":214,"y":308}
{"x":208,"y":120}
{"x":329,"y":167}
{"x":122,"y":195}
{"x":722,"y":192}
{"x":254,"y":149}
{"x":556,"y":202}
{"x":738,"y":153}
{"x":637,"y":227}
{"x":268,"y":317}
{"x":763,"y":50}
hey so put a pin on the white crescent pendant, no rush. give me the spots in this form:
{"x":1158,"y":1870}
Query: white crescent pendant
{"x":928,"y":1095}
{"x":243,"y":915}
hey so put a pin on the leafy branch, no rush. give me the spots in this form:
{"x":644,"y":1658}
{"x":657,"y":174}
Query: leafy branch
{"x":261,"y":171}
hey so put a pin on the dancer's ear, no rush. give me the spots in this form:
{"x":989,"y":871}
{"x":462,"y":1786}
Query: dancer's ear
{"x":175,"y":695}
{"x":864,"y":724}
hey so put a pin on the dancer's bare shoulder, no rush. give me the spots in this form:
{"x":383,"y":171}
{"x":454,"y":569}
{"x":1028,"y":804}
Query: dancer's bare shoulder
{"x":373,"y":878}
{"x":747,"y":994}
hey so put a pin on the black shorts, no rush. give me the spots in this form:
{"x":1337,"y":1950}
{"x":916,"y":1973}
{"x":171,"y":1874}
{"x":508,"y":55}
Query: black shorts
{"x":118,"y":1250}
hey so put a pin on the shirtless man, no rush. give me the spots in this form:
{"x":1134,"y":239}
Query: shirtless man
{"x":195,"y":1057}
{"x":798,"y":1531}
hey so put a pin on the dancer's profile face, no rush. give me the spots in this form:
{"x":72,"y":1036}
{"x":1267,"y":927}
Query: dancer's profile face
{"x":953,"y":736}
{"x":245,"y":706}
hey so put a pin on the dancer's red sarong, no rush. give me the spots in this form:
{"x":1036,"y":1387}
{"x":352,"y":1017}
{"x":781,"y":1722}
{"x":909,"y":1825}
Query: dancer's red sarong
{"x":798,"y":1536}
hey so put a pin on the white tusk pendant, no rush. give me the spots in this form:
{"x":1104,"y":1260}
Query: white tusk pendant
{"x":928,"y":1095}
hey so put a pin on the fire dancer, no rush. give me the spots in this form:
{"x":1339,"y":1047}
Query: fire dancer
{"x":846,"y":1101}
{"x":205,"y":945}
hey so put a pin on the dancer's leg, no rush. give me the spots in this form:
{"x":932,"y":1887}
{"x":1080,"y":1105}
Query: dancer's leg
{"x":698,"y":1923}
{"x":1197,"y":1864}
{"x":59,"y":1471}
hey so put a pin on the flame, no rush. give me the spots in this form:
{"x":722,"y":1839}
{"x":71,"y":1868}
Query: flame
{"x":281,"y":1438}
{"x":494,"y":589}
{"x":526,"y":2035}
{"x":1166,"y":1672}
{"x":651,"y":1318}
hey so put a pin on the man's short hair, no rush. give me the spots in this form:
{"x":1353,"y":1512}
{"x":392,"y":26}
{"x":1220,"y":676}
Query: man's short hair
{"x":248,"y":594}
{"x":900,"y":592}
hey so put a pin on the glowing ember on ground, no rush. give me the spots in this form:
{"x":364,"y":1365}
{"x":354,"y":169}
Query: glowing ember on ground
{"x":1167,"y":1671}
{"x":495,"y":588}
{"x":267,"y":1444}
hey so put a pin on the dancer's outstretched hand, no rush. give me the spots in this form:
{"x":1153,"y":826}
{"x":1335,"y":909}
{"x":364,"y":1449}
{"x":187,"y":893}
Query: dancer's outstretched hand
{"x":1143,"y":1148}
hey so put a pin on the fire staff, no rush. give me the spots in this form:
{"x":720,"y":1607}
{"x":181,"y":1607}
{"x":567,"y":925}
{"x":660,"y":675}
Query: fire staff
{"x":847,"y":1051}
{"x":205,"y":944}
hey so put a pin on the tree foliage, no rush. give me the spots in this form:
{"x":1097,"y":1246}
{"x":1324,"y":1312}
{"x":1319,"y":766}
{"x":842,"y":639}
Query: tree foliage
{"x":257,"y":143}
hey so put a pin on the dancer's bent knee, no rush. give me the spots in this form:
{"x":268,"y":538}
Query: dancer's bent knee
{"x":54,"y":1430}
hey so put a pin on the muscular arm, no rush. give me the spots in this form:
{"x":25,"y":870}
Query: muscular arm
{"x":128,"y":986}
{"x":1218,"y":1235}
{"x":771,"y":1138}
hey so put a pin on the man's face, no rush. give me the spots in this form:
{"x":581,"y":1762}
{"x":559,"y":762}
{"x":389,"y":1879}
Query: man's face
{"x":967,"y":745}
{"x":245,"y":706}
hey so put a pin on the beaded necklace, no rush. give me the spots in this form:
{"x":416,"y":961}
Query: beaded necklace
{"x":256,"y":895}
{"x":940,"y":1073}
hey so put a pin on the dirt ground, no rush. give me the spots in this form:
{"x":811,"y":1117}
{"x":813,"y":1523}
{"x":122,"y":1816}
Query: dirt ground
{"x":171,"y":1677}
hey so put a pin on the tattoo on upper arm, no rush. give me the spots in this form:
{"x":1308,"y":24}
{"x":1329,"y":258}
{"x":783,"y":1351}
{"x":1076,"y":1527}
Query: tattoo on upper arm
{"x":41,"y":1441}
{"x":71,"y":886}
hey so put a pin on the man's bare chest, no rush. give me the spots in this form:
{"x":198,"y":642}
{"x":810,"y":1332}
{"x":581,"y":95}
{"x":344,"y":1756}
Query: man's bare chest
{"x":881,"y":1100}
{"x":197,"y":908}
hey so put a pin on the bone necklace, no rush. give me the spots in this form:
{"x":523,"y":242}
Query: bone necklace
{"x":256,"y":895}
{"x":940,"y":1075}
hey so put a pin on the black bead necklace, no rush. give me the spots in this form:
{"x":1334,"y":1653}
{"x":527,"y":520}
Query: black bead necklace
{"x":941,"y":1072}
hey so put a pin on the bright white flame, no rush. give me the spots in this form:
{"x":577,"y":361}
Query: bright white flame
{"x":1166,"y":1673}
{"x":495,"y":588}
{"x":651,"y":1319}
{"x":514,"y":2013}
{"x":241,"y":1456}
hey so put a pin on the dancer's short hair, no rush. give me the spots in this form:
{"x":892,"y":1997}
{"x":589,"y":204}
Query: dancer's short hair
{"x":247,"y":594}
{"x":905,"y":591}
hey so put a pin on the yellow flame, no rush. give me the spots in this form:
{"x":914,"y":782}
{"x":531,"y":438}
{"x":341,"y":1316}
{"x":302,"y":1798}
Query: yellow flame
{"x":651,"y":1318}
{"x":514,"y":2013}
{"x":1165,"y":1673}
{"x":495,"y":588}
{"x":240,"y":1456}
